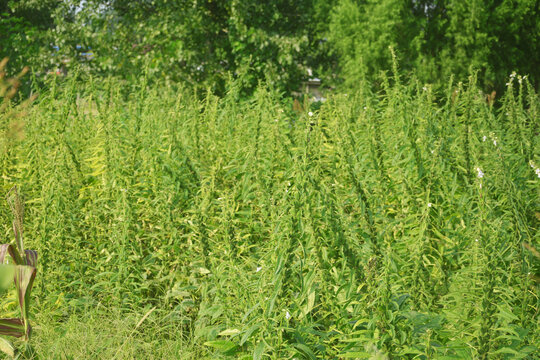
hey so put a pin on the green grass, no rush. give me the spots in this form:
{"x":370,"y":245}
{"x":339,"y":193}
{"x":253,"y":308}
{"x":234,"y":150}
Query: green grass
{"x":173,"y":227}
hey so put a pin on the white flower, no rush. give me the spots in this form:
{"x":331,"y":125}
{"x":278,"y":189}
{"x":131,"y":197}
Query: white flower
{"x":365,"y":107}
{"x":424,"y":88}
{"x":484,"y":138}
{"x":287,"y":315}
{"x":480,"y":173}
{"x":476,"y":240}
{"x":433,"y":151}
{"x":429,"y":204}
{"x":533,"y":166}
{"x":495,"y":142}
{"x":258,"y":269}
{"x":310,"y":113}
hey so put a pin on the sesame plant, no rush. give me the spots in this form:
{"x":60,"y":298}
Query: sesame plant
{"x":397,"y":223}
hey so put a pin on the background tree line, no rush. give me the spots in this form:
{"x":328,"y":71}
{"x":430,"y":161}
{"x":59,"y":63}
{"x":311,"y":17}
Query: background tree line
{"x":205,"y":43}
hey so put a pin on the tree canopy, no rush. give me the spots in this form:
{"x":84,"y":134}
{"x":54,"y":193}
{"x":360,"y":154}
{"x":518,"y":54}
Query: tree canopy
{"x":204,"y":43}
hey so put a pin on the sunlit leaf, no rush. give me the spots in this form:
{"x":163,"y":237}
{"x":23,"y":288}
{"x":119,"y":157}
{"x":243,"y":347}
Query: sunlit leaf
{"x":223,"y":346}
{"x":7,"y":347}
{"x":259,"y":351}
{"x":229,"y":332}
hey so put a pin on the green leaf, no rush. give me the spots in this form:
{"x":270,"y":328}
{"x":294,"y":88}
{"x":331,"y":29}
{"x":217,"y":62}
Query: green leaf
{"x":259,"y":351}
{"x":229,"y":332}
{"x":223,"y":346}
{"x":305,"y":350}
{"x":310,"y":303}
{"x":7,"y":274}
{"x":506,"y":350}
{"x":248,"y":333}
{"x":7,"y":347}
{"x":505,"y":313}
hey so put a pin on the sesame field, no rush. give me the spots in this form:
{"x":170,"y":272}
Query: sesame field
{"x":174,"y":224}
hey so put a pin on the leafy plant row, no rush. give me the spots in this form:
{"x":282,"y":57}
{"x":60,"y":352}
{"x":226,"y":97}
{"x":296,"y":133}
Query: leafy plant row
{"x":390,"y":224}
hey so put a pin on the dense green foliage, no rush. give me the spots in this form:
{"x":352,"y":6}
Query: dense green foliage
{"x":204,"y":43}
{"x":379,"y":225}
{"x":436,"y":39}
{"x":177,"y":217}
{"x":24,"y":32}
{"x":201,"y":43}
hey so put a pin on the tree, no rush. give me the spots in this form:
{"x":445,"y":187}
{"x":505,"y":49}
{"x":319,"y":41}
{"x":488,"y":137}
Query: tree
{"x":23,"y":32}
{"x":200,"y":42}
{"x":436,"y":38}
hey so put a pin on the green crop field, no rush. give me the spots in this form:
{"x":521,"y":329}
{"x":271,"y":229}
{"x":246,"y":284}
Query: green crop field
{"x":172,"y":224}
